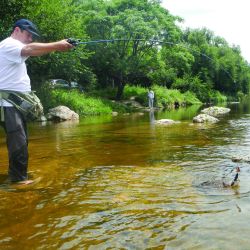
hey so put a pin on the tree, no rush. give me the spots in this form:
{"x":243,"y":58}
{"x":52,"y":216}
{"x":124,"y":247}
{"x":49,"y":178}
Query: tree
{"x":9,"y":13}
{"x":56,"y":20}
{"x":216,"y":62}
{"x":140,"y":24}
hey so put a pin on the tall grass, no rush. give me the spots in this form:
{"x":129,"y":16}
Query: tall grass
{"x":84,"y":104}
{"x":136,"y":92}
{"x":80,"y":103}
{"x":164,"y":97}
{"x":217,"y":97}
{"x":73,"y":99}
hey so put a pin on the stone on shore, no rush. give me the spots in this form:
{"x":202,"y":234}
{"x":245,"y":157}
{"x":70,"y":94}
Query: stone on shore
{"x":62,"y":113}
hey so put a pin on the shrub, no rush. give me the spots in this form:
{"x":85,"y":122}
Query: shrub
{"x":195,"y":85}
{"x":73,"y":99}
{"x":139,"y":93}
{"x":216,"y":97}
{"x":80,"y":103}
{"x":166,"y":97}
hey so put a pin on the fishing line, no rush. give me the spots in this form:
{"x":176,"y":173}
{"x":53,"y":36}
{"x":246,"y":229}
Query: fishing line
{"x":76,"y":42}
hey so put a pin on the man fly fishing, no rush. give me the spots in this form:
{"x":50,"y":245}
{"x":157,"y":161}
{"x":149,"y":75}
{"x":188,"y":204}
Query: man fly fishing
{"x":16,"y":98}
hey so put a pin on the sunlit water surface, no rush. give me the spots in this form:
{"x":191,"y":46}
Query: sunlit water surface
{"x":125,"y":183}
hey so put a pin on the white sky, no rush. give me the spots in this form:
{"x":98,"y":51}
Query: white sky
{"x":229,"y":19}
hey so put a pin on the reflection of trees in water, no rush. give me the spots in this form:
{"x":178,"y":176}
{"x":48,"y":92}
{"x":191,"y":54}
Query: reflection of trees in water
{"x":182,"y":113}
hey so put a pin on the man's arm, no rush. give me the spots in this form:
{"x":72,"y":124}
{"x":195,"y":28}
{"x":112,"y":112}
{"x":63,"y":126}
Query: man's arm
{"x":39,"y":49}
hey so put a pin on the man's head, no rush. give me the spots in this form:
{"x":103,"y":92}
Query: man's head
{"x":24,"y":30}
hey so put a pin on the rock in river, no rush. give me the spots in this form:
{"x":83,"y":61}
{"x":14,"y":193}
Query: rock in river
{"x":202,"y":118}
{"x":215,"y":111}
{"x":166,"y":122}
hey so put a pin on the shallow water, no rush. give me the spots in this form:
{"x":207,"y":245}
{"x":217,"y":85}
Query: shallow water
{"x":124,"y":183}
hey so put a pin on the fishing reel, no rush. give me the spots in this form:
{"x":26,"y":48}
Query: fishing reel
{"x":73,"y":41}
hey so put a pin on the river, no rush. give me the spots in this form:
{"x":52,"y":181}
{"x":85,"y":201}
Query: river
{"x":125,"y":183}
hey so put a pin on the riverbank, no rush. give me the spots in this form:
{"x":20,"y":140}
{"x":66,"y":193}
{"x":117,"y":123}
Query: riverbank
{"x":103,"y":102}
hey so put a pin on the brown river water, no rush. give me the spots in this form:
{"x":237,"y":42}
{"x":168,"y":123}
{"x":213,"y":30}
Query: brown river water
{"x":124,"y":183}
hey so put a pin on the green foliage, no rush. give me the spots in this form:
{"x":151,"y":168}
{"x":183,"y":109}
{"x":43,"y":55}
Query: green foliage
{"x":107,"y":93}
{"x":190,"y":61}
{"x":73,"y":99}
{"x":190,"y":98}
{"x":130,"y":60}
{"x":178,"y":58}
{"x":216,"y":97}
{"x":137,"y":92}
{"x":203,"y":91}
{"x":216,"y":62}
{"x":240,"y":95}
{"x":56,"y":20}
{"x":193,"y":84}
{"x":80,"y":103}
{"x":164,"y":97}
{"x":167,"y":97}
{"x":10,"y":12}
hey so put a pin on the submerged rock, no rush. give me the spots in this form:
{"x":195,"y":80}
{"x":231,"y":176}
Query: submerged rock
{"x":202,"y":118}
{"x":241,"y":159}
{"x":215,"y":111}
{"x":211,"y":184}
{"x":62,"y":113}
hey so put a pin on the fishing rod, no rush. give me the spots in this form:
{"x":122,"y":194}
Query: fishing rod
{"x":76,"y":42}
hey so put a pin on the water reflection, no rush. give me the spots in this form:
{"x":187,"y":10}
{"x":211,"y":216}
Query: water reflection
{"x":151,"y":116}
{"x":123,"y":183}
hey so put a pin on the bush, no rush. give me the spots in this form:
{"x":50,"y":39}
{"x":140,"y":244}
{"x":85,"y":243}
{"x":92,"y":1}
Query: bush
{"x":73,"y":99}
{"x":94,"y":105}
{"x":139,"y":93}
{"x":195,"y":85}
{"x":216,"y":97}
{"x":80,"y":103}
{"x":164,"y":97}
{"x":107,"y":93}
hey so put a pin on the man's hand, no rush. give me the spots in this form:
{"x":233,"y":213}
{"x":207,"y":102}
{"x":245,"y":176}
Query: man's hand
{"x":63,"y":45}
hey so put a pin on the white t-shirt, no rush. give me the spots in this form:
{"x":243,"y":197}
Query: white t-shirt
{"x":13,"y":71}
{"x":151,"y":94}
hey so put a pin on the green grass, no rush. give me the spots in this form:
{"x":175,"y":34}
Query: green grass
{"x":80,"y":103}
{"x":97,"y":104}
{"x":217,"y":97}
{"x":164,"y":97}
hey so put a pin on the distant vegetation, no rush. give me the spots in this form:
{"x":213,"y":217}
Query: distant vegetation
{"x":187,"y":66}
{"x":91,"y":104}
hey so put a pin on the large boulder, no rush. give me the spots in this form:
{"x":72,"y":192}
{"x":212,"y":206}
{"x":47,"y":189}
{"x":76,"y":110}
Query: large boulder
{"x":215,"y":111}
{"x":62,"y":113}
{"x":203,"y":118}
